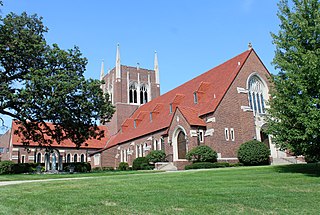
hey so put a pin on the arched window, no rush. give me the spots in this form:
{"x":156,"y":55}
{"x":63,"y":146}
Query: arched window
{"x":82,"y":158}
{"x":75,"y":158}
{"x":145,"y":147}
{"x":133,"y":93}
{"x":141,"y":151}
{"x":155,"y":145}
{"x":143,"y":94}
{"x":39,"y":157}
{"x":68,"y":158}
{"x":256,"y":97}
{"x":110,"y":89}
{"x":125,"y":156}
{"x":137,"y":151}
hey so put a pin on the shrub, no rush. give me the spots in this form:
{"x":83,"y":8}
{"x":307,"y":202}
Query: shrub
{"x":202,"y":154}
{"x":6,"y":167}
{"x":206,"y":165}
{"x":102,"y":169}
{"x":141,"y":163}
{"x":156,"y":156}
{"x":311,"y":158}
{"x":123,"y":166}
{"x":78,"y":167}
{"x":236,"y":164}
{"x":253,"y":153}
{"x":19,"y":168}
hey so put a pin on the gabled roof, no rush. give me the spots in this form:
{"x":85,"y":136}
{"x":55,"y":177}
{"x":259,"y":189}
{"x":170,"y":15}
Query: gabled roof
{"x":91,"y":143}
{"x":211,"y":87}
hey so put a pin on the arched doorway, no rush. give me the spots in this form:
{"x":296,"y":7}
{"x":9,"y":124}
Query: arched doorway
{"x":182,"y":145}
{"x":264,"y":136}
{"x":179,"y":143}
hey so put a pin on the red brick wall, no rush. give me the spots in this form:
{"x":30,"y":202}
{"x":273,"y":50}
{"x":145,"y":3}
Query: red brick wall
{"x":230,"y":115}
{"x":5,"y":144}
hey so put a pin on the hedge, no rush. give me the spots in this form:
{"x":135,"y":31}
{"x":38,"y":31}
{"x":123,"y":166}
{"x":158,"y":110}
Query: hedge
{"x":77,"y":167}
{"x":9,"y":167}
{"x":141,"y":163}
{"x":208,"y":165}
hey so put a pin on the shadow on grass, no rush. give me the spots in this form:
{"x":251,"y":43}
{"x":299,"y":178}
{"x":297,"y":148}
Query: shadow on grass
{"x":312,"y":169}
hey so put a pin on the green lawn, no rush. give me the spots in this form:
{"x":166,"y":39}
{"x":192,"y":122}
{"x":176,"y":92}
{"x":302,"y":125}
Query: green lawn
{"x":291,"y":189}
{"x":15,"y":177}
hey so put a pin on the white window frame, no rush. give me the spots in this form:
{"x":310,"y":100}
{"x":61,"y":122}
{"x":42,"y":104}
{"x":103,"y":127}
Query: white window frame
{"x":137,"y":151}
{"x":141,"y":150}
{"x":232,"y":134}
{"x":23,"y":158}
{"x":201,"y":136}
{"x":226,"y":134}
{"x":155,"y":144}
{"x":96,"y":159}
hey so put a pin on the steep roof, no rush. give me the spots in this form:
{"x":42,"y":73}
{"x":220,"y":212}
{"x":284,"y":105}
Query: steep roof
{"x":91,"y":143}
{"x":209,"y":88}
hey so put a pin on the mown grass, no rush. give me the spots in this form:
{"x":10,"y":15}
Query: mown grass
{"x":16,"y":177}
{"x":291,"y":189}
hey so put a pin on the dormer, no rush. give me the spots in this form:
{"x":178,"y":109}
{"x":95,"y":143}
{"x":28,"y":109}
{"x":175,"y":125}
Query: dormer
{"x":200,"y":92}
{"x":175,"y":102}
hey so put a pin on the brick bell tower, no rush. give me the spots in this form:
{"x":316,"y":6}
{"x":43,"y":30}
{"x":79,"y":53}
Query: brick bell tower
{"x":128,"y":88}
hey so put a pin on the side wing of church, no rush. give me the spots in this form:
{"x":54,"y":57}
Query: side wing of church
{"x":222,"y":108}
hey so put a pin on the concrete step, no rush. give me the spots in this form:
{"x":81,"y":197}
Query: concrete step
{"x":285,"y":160}
{"x":165,"y":166}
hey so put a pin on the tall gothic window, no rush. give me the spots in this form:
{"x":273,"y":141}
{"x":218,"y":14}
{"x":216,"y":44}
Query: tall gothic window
{"x":133,"y":94}
{"x":143,"y":94}
{"x":110,"y":89}
{"x":256,"y":98}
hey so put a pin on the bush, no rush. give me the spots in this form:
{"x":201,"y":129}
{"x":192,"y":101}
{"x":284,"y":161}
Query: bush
{"x":141,"y":163}
{"x":102,"y":169}
{"x":9,"y":167}
{"x":253,"y":153}
{"x":312,"y":158}
{"x":19,"y":168}
{"x":206,"y":165}
{"x":78,"y":167}
{"x":123,"y":166}
{"x":202,"y":154}
{"x":6,"y":167}
{"x":156,"y":156}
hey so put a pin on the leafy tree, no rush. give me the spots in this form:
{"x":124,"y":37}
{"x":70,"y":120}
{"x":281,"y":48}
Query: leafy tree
{"x":202,"y":153}
{"x":294,"y":117}
{"x":42,"y":83}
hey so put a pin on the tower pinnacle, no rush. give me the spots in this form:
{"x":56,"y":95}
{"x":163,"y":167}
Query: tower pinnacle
{"x":118,"y":64}
{"x":156,"y":67}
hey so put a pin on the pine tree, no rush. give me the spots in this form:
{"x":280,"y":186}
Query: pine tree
{"x":294,"y":116}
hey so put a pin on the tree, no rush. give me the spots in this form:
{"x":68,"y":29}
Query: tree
{"x":42,"y":83}
{"x":294,"y":116}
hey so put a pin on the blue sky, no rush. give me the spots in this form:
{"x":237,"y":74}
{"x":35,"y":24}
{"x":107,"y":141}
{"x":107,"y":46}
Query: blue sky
{"x":190,"y":36}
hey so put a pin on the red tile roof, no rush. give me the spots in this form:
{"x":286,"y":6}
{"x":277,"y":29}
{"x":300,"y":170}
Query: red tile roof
{"x":91,"y":143}
{"x":210,"y":88}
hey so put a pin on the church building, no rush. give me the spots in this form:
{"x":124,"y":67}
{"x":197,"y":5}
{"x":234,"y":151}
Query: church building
{"x":222,"y":108}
